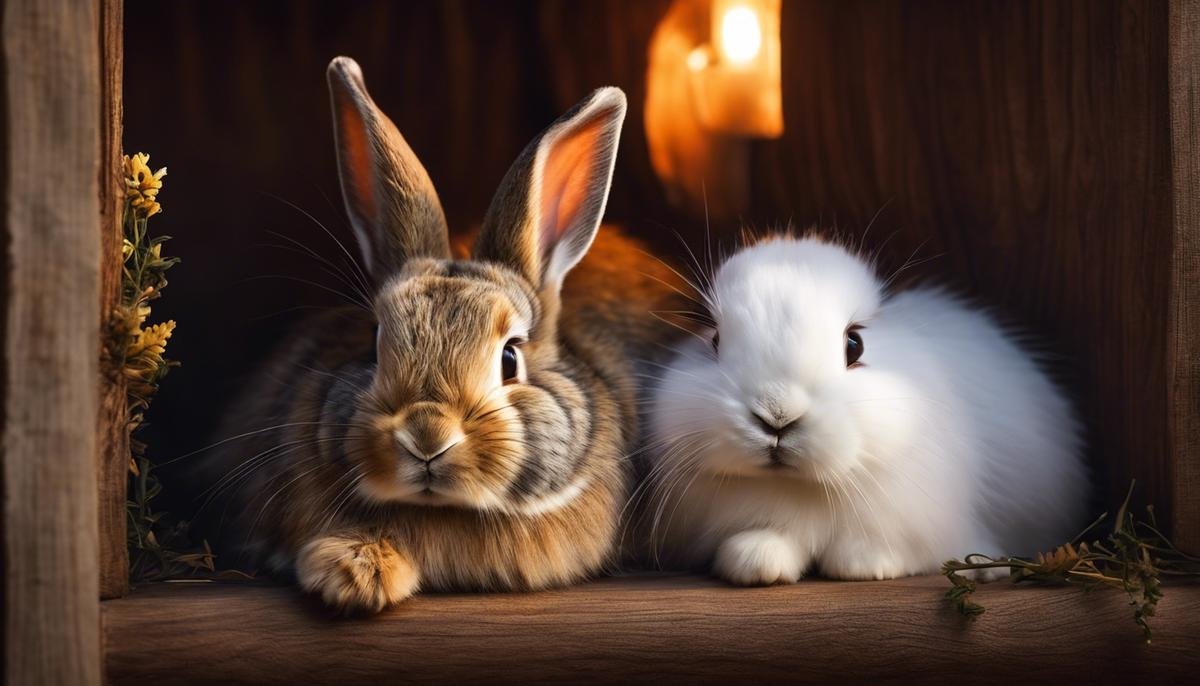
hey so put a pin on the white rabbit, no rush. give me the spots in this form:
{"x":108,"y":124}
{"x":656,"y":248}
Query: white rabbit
{"x":831,"y":427}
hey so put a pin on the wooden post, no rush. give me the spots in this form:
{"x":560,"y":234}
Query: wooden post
{"x":50,"y":71}
{"x":1184,"y":312}
{"x":112,"y":434}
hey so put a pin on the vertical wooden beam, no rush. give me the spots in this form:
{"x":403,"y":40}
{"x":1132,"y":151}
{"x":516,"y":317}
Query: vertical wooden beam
{"x":112,"y":435}
{"x":1184,"y":327}
{"x":50,"y":68}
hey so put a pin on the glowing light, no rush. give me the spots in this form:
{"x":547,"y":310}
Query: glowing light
{"x":697,"y":59}
{"x":741,"y":35}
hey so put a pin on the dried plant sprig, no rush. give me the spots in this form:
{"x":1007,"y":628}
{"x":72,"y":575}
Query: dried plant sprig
{"x":1132,"y":558}
{"x":140,"y":349}
{"x":142,"y":185}
{"x":158,"y":543}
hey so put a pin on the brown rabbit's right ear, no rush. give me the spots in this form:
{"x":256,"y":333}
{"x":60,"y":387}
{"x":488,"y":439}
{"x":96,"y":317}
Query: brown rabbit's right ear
{"x":392,"y":204}
{"x":544,"y":216}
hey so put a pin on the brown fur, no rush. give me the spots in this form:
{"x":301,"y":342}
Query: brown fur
{"x":329,"y":484}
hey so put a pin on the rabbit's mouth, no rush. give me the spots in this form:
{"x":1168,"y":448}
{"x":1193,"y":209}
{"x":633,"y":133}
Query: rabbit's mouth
{"x":419,"y":493}
{"x":429,"y":496}
{"x":436,"y":483}
{"x":411,"y":484}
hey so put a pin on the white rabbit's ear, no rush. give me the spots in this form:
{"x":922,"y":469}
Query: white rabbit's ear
{"x":546,"y":212}
{"x":392,"y":204}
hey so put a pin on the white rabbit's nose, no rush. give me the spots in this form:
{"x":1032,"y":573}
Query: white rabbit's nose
{"x":776,"y":425}
{"x":780,"y":407}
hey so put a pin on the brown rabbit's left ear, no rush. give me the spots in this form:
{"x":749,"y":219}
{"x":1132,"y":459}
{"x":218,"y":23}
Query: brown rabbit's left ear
{"x":392,"y":204}
{"x":546,"y":212}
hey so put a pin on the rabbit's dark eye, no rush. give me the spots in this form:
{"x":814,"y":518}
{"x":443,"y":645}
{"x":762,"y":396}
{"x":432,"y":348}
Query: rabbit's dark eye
{"x":854,"y":346}
{"x":716,"y":341}
{"x":510,"y":363}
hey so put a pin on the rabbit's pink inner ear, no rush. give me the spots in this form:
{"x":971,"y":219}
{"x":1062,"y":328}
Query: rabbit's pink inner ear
{"x":569,"y":182}
{"x":575,"y":172}
{"x":357,"y":165}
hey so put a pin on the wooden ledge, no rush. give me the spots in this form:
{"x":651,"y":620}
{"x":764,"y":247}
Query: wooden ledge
{"x":650,"y":628}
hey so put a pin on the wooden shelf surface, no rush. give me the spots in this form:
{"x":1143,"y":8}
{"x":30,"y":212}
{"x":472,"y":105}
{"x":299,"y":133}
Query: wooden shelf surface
{"x":652,"y":628}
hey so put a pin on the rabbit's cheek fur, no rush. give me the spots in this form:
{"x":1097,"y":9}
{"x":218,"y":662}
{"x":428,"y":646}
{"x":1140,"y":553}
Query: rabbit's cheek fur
{"x":885,"y":415}
{"x":549,"y":458}
{"x":507,"y":454}
{"x":826,"y":444}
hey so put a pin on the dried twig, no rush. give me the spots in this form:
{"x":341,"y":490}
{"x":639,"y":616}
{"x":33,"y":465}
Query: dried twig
{"x":1131,"y":558}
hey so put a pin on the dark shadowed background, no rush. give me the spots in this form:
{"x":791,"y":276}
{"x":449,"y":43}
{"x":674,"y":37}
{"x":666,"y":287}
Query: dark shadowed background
{"x":1017,"y":146}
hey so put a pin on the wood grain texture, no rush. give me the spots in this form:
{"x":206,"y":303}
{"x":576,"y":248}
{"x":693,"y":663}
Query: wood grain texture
{"x":112,"y":433}
{"x":51,"y":75}
{"x":1184,"y":333}
{"x":660,"y":629}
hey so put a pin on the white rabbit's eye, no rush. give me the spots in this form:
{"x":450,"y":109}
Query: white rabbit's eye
{"x":716,"y":341}
{"x":510,"y":363}
{"x":854,"y":346}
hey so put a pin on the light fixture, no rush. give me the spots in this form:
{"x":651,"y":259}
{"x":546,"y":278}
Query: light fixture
{"x":713,"y":83}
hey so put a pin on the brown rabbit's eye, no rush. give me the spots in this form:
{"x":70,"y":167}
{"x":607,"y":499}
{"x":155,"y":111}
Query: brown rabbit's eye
{"x":854,"y":346}
{"x":510,"y":363}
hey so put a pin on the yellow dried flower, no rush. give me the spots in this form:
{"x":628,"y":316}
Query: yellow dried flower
{"x":151,"y":342}
{"x":142,"y":185}
{"x":1061,"y":560}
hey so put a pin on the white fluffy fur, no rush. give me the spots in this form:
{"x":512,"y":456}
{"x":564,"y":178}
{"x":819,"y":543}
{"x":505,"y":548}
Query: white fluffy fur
{"x":948,"y":440}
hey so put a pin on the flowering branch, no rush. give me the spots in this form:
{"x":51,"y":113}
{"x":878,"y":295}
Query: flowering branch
{"x":141,"y":348}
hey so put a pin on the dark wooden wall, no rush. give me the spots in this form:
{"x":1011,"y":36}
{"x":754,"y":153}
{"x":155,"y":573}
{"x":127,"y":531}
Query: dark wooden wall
{"x":1022,"y":147}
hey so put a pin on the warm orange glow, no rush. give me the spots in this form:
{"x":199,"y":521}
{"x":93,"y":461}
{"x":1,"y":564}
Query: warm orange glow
{"x":712,"y":82}
{"x":741,"y":34}
{"x":698,"y":60}
{"x":738,"y":92}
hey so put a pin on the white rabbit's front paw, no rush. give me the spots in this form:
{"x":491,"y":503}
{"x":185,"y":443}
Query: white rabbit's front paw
{"x":856,"y":560}
{"x":758,"y":558}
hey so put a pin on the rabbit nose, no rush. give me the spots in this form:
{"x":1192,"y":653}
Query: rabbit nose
{"x":428,"y":432}
{"x":424,"y":450}
{"x":774,"y":425}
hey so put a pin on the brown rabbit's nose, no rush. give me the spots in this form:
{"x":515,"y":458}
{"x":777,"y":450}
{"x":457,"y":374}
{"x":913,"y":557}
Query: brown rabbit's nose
{"x":428,"y":432}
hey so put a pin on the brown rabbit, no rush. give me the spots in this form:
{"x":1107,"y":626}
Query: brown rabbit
{"x":476,"y":432}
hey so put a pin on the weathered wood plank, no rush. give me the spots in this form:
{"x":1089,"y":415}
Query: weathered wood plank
{"x":661,"y":629}
{"x":51,"y":208}
{"x":112,"y":435}
{"x":1184,"y":311}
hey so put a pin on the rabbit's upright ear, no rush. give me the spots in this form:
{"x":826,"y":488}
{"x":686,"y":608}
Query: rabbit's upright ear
{"x":392,"y":204}
{"x":548,"y":207}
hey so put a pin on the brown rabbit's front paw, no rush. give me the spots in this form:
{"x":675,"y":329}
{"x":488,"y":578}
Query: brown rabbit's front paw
{"x":351,"y":574}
